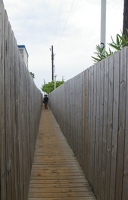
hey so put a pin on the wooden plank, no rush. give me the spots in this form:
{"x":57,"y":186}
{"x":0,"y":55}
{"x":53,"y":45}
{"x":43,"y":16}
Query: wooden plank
{"x":81,"y":134}
{"x":48,"y":181}
{"x":85,"y":117}
{"x":100,"y":93}
{"x":125,"y":172}
{"x":2,"y":109}
{"x":94,"y":166}
{"x":97,"y":180}
{"x":105,"y":119}
{"x":7,"y":107}
{"x":121,"y":125}
{"x":115,"y":124}
{"x":20,"y":130}
{"x":60,"y":176}
{"x":94,"y":130}
{"x":88,"y":128}
{"x":109,"y":127}
{"x":24,"y":141}
{"x":75,"y":119}
{"x":66,"y":198}
{"x":87,"y":124}
{"x":102,"y":134}
{"x":56,"y":184}
{"x":12,"y":111}
{"x":16,"y":139}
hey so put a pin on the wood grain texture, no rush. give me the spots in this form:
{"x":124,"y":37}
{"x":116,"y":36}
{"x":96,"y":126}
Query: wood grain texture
{"x":121,"y":124}
{"x":18,"y":120}
{"x":56,"y":173}
{"x":69,"y":113}
{"x":106,"y":130}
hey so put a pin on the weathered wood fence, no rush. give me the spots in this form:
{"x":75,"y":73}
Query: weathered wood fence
{"x":92,"y":111}
{"x":20,"y":107}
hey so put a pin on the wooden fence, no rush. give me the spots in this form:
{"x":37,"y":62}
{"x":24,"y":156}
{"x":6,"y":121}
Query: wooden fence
{"x":67,"y":105}
{"x":92,"y":111}
{"x":20,"y":108}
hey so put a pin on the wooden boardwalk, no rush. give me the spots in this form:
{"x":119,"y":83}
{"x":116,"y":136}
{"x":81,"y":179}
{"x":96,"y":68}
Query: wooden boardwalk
{"x":56,"y":174}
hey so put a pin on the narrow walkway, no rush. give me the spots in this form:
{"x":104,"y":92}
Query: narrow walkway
{"x":56,"y":174}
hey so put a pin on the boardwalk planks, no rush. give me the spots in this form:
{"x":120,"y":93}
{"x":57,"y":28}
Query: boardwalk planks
{"x":91,"y":109}
{"x":56,"y":173}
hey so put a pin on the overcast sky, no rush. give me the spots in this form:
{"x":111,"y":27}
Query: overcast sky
{"x":71,"y":26}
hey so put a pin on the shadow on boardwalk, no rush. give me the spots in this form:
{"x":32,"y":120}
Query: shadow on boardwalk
{"x":56,"y":174}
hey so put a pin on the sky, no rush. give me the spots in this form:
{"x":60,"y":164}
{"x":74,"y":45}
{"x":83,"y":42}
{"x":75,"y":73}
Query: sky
{"x":71,"y":26}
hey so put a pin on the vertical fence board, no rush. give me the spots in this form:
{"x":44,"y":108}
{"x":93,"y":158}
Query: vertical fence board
{"x":85,"y":116}
{"x":109,"y":127}
{"x":12,"y":111}
{"x":82,"y":121}
{"x":94,"y":123}
{"x":7,"y":108}
{"x":2,"y":107}
{"x":95,"y":133}
{"x":101,"y":114}
{"x":98,"y":127}
{"x":16,"y":138}
{"x":92,"y":127}
{"x":121,"y":125}
{"x":21,"y":131}
{"x":115,"y":125}
{"x":87,"y":124}
{"x":104,"y":125}
{"x":125,"y":173}
{"x":16,"y":120}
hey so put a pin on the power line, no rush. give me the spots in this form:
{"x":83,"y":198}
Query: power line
{"x":66,"y":23}
{"x":57,"y":21}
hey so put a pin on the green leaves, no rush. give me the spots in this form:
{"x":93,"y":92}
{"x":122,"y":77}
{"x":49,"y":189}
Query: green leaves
{"x":101,"y":53}
{"x":120,"y":42}
{"x":49,"y":87}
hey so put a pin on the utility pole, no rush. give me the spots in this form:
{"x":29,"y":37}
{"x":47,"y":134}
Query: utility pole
{"x":52,"y":58}
{"x":55,"y":81}
{"x":125,"y":18}
{"x":103,"y":24}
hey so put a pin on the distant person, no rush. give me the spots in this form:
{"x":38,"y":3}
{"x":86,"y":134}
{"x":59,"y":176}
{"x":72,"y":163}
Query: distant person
{"x":45,"y":101}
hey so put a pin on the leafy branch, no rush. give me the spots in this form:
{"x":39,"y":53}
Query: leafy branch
{"x":120,"y":42}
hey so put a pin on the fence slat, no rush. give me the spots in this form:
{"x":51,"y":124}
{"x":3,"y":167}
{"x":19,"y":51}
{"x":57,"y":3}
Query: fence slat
{"x":125,"y":173}
{"x":115,"y":125}
{"x":2,"y":107}
{"x":98,"y":127}
{"x":87,"y":124}
{"x":121,"y":125}
{"x":109,"y":127}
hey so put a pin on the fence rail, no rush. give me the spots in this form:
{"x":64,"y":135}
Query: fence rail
{"x":20,"y":107}
{"x":92,"y":111}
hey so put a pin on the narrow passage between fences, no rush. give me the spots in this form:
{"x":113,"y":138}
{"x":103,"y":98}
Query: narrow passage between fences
{"x":56,"y":174}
